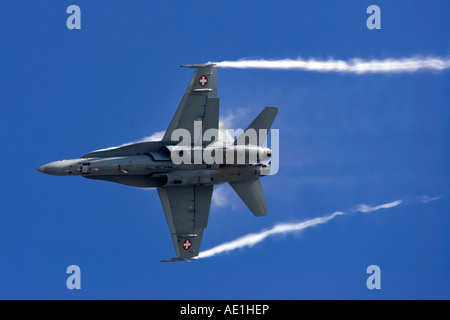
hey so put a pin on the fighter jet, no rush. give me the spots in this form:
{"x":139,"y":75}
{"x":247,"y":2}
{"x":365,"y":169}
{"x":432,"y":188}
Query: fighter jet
{"x":185,"y":165}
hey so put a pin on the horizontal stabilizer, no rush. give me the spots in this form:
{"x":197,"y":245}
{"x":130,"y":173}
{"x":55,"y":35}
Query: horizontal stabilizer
{"x":251,"y":192}
{"x":261,"y":125}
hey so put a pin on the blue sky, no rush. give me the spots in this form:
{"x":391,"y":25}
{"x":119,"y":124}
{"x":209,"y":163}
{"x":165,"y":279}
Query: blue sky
{"x":344,"y":140}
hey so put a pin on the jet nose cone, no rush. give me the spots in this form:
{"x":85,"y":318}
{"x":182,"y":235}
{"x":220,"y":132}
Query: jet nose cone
{"x":59,"y":168}
{"x":53,"y":168}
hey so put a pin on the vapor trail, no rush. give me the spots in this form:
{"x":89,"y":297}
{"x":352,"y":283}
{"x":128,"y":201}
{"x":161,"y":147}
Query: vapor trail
{"x":357,"y":66}
{"x":252,"y":239}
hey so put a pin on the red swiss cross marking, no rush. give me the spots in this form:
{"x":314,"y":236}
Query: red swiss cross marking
{"x":203,"y":80}
{"x":187,"y":244}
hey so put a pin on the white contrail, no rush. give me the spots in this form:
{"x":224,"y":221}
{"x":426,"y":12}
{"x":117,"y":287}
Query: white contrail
{"x":285,"y":228}
{"x":254,"y":238}
{"x":356,"y":65}
{"x":366,"y":208}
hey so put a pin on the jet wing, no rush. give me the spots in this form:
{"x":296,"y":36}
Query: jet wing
{"x":187,"y":211}
{"x":199,"y":103}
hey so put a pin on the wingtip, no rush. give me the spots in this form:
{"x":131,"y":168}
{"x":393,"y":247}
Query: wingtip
{"x":178,"y":259}
{"x":209,"y":64}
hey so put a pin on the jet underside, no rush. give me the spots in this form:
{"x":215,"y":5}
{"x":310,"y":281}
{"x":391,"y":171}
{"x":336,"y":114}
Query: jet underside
{"x":185,"y":173}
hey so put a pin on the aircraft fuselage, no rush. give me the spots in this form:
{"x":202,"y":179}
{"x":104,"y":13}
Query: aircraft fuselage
{"x":145,"y":171}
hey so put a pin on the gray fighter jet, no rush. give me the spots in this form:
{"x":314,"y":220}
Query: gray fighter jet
{"x":186,"y":164}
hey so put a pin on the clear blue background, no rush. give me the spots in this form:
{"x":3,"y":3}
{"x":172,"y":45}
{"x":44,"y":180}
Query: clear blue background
{"x":344,"y":139}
